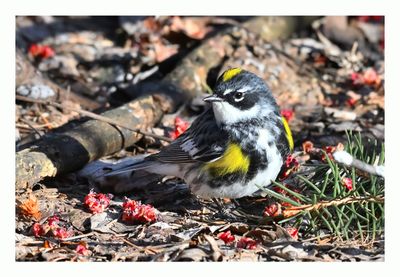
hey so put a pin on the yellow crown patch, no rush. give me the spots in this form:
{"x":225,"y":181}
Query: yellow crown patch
{"x":230,"y":73}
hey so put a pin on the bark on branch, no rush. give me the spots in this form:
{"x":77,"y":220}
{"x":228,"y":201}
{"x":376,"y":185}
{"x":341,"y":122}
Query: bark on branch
{"x":69,"y":151}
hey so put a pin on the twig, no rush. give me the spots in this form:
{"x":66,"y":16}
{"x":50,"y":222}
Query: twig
{"x":294,"y":210}
{"x":145,"y":249}
{"x":92,"y":115}
{"x":77,"y":237}
{"x":216,"y":252}
{"x":132,"y":244}
{"x":345,"y":158}
{"x":30,"y":126}
{"x":317,"y":238}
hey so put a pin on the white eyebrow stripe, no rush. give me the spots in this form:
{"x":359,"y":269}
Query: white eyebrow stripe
{"x":244,"y":89}
{"x":229,"y":90}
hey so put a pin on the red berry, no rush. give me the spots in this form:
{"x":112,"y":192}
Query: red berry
{"x":133,"y":212}
{"x":293,"y":232}
{"x":81,"y":249}
{"x":227,"y":237}
{"x":272,"y":210}
{"x":97,"y":202}
{"x":370,"y":76}
{"x":37,"y":230}
{"x":47,"y":52}
{"x":180,"y":127}
{"x":287,"y":114}
{"x":347,"y":183}
{"x":246,"y":243}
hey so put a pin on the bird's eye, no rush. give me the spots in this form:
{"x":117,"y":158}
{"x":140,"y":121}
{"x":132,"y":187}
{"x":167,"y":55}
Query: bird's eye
{"x":238,"y":96}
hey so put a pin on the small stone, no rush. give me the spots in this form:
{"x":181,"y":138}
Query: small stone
{"x":340,"y":114}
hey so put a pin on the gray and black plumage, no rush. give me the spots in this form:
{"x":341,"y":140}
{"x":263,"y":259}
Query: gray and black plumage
{"x":236,"y":145}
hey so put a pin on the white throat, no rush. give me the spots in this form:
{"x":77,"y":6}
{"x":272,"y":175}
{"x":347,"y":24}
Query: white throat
{"x":228,"y":114}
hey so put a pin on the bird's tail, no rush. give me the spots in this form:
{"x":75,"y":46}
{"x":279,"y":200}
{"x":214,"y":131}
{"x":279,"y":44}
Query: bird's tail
{"x":128,"y":165}
{"x":122,"y":176}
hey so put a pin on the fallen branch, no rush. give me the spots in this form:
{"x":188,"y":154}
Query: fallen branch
{"x":93,"y":116}
{"x":345,"y":158}
{"x":58,"y":153}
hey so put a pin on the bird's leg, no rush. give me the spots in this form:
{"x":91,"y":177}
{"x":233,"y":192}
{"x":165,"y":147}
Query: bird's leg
{"x":222,"y":204}
{"x":235,"y":202}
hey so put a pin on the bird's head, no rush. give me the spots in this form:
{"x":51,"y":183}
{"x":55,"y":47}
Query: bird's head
{"x":240,"y":95}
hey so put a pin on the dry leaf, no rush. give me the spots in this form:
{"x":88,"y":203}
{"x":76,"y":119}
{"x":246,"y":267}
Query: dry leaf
{"x":376,"y":99}
{"x":47,"y":245}
{"x":192,"y":27}
{"x":163,"y":52}
{"x":30,"y":208}
{"x":151,"y":24}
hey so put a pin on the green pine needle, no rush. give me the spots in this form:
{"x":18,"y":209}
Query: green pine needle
{"x":324,"y":198}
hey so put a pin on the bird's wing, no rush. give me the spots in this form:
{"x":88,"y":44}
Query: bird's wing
{"x":203,"y":141}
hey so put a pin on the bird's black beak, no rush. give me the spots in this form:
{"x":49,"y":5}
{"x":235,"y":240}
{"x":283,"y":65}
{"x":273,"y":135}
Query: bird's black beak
{"x":213,"y":98}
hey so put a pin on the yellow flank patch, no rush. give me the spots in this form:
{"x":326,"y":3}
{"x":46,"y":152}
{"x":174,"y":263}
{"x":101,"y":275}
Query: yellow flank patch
{"x":233,"y":160}
{"x":289,"y":136}
{"x":230,"y":73}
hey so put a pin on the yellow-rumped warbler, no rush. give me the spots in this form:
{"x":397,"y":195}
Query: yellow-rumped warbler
{"x":235,"y":146}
